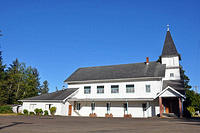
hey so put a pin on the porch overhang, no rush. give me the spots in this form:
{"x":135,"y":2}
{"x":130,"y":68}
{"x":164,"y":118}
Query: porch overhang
{"x":111,"y":99}
{"x":169,"y":92}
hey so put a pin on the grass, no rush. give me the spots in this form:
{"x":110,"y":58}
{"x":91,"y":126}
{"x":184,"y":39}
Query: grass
{"x":8,"y":114}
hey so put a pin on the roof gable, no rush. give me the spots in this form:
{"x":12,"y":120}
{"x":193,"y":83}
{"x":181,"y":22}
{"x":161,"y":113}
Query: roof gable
{"x":169,"y":92}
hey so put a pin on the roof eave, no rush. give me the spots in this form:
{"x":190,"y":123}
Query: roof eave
{"x":40,"y":100}
{"x":114,"y":80}
{"x":169,"y":87}
{"x":112,"y":99}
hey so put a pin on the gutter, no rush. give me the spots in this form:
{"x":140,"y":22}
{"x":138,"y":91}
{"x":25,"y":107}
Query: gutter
{"x":114,"y":80}
{"x":112,"y":99}
{"x":40,"y":100}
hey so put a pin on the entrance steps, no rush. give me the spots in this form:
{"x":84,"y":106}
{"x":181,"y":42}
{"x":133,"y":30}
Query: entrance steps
{"x":169,"y":115}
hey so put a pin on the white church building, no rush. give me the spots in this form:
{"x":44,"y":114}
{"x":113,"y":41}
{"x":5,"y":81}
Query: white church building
{"x":143,"y":89}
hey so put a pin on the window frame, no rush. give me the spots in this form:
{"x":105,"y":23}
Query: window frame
{"x":115,"y":87}
{"x":78,"y":106}
{"x":108,"y":105}
{"x":171,"y":75}
{"x":148,"y":87}
{"x":31,"y":106}
{"x":128,"y":88}
{"x":100,"y":87}
{"x":125,"y":105}
{"x":93,"y":106}
{"x":87,"y":87}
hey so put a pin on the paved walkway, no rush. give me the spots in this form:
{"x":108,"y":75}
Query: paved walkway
{"x":32,"y":124}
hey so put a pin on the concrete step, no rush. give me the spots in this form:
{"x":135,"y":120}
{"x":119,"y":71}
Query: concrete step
{"x":169,"y":115}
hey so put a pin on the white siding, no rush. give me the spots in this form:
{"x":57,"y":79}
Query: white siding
{"x":60,"y":107}
{"x":175,"y":71}
{"x":140,"y":90}
{"x":117,"y":109}
{"x":170,"y":61}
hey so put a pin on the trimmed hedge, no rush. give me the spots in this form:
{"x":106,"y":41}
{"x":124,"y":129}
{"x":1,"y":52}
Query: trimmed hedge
{"x":38,"y":111}
{"x":5,"y":109}
{"x":31,"y":113}
{"x":53,"y":110}
{"x":46,"y":112}
{"x":25,"y":111}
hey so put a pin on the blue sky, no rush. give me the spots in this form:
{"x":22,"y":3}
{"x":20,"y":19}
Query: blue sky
{"x":59,"y":36}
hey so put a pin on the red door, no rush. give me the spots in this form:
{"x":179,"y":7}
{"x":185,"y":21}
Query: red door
{"x":70,"y":110}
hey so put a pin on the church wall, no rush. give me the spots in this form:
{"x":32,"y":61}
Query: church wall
{"x":139,"y":86}
{"x":31,"y":106}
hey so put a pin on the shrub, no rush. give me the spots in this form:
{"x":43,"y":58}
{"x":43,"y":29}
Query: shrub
{"x":191,"y":110}
{"x":31,"y":113}
{"x":53,"y":110}
{"x":40,"y":111}
{"x":6,"y":109}
{"x":25,"y":111}
{"x":36,"y":111}
{"x":46,"y":112}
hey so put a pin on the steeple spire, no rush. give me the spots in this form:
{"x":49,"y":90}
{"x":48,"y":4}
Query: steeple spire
{"x":169,"y":48}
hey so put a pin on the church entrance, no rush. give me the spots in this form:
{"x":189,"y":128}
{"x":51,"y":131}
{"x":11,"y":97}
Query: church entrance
{"x":170,"y":105}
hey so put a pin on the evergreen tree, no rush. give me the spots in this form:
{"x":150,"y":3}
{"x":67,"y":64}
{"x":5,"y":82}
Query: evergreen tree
{"x":32,"y":83}
{"x":186,"y":80}
{"x":15,"y":81}
{"x":22,"y":82}
{"x":192,"y":98}
{"x":3,"y":90}
{"x":44,"y":89}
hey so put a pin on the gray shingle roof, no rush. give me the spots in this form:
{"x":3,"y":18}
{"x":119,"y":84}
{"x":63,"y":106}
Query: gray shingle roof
{"x":136,"y":70}
{"x":169,"y":48}
{"x":58,"y":95}
{"x":176,"y":84}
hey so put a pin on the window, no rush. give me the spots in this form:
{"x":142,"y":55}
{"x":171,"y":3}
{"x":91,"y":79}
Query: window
{"x":148,"y":88}
{"x":48,"y":106}
{"x":144,"y":106}
{"x":171,"y":74}
{"x":100,"y":89}
{"x":87,"y":90}
{"x":78,"y":106}
{"x":114,"y":88}
{"x":125,"y":106}
{"x":130,"y":88}
{"x":108,"y":107}
{"x":32,"y":106}
{"x":92,"y":106}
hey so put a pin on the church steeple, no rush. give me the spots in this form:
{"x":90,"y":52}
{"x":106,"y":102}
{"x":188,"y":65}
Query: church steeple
{"x":169,"y":48}
{"x":170,"y":58}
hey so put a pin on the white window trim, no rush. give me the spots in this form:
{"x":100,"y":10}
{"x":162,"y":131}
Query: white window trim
{"x":149,"y":88}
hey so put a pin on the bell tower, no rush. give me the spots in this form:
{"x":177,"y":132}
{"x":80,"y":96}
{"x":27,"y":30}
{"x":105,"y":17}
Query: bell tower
{"x":171,"y":58}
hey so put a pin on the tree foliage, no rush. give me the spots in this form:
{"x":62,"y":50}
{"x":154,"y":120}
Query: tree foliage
{"x":17,"y":81}
{"x":3,"y":77}
{"x":192,"y":99}
{"x":44,"y":88}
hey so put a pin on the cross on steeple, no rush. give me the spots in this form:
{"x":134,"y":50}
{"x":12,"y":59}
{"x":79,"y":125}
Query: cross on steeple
{"x":167,"y":27}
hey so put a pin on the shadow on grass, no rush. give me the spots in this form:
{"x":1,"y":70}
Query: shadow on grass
{"x":13,"y":124}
